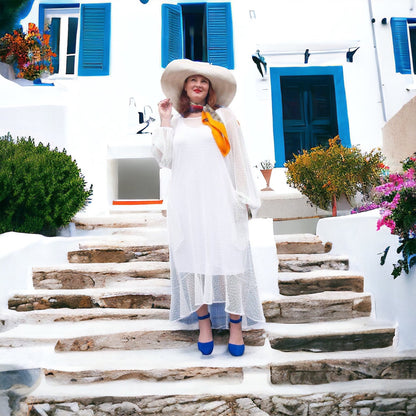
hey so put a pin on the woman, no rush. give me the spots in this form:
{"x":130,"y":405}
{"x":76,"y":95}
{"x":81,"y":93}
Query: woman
{"x":210,"y":193}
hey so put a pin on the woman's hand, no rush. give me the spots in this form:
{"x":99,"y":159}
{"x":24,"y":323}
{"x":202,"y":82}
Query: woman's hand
{"x":165,"y":112}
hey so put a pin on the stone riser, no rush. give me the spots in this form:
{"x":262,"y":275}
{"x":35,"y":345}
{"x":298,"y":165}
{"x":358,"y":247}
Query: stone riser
{"x":74,"y":301}
{"x":331,"y":371}
{"x":335,"y":342}
{"x":142,"y":340}
{"x":310,"y":265}
{"x":301,"y":286}
{"x":160,"y":374}
{"x":365,"y":402}
{"x":120,"y":255}
{"x":316,"y":309}
{"x":303,"y":248}
{"x":84,"y":276}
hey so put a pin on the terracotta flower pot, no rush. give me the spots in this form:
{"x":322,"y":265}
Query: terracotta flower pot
{"x":267,"y":173}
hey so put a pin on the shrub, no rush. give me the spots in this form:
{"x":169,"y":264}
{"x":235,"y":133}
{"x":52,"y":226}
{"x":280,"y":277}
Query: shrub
{"x":397,"y":196}
{"x":40,"y":189}
{"x":325,"y":173}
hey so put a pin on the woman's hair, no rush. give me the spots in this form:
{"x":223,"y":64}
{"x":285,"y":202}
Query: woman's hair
{"x":185,"y":102}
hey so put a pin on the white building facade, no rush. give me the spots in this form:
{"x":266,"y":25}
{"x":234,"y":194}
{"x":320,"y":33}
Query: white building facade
{"x":333,"y":67}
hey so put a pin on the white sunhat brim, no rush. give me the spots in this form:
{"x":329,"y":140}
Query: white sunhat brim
{"x":177,"y":71}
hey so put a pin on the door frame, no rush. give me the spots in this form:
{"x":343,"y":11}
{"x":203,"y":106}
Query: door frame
{"x":277,"y":108}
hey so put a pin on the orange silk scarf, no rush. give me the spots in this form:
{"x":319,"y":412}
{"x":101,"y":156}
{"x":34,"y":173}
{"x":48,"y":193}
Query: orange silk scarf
{"x":218,"y":131}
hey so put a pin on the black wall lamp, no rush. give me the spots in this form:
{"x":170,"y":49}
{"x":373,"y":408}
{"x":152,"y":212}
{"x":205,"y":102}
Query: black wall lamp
{"x":260,"y":62}
{"x":307,"y":55}
{"x":350,"y":54}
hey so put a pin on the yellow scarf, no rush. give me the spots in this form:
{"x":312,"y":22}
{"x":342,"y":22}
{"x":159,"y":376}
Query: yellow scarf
{"x":218,"y":130}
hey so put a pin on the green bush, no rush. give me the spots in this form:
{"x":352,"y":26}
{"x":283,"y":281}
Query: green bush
{"x":324,"y":174}
{"x":40,"y":189}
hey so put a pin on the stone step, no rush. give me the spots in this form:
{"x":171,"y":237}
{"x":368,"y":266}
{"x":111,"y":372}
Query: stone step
{"x":79,"y":276}
{"x":13,"y":318}
{"x":131,"y":220}
{"x":326,"y":306}
{"x":119,"y":254}
{"x":143,"y":296}
{"x":394,"y":366}
{"x":252,"y":398}
{"x":309,"y":262}
{"x":300,"y":244}
{"x":126,"y":335}
{"x":297,"y":283}
{"x":347,"y":335}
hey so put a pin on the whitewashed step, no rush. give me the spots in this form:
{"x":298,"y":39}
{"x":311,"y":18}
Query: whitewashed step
{"x":309,"y":262}
{"x":143,"y":294}
{"x":126,"y":335}
{"x":300,"y":244}
{"x":326,"y":306}
{"x":316,"y":281}
{"x":144,"y":219}
{"x":347,"y":335}
{"x":78,"y":276}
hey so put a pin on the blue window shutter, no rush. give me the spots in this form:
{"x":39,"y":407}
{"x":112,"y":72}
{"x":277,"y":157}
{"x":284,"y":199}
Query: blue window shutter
{"x":220,"y":34}
{"x":94,"y":45}
{"x":172,"y":33}
{"x":400,"y":44}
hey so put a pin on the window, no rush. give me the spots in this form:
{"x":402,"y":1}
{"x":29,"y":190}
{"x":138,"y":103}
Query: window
{"x":80,"y":37}
{"x":309,"y":107}
{"x":63,"y":27}
{"x":198,"y":31}
{"x":404,"y":44}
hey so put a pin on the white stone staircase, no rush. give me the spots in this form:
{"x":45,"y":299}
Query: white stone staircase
{"x":98,"y":327}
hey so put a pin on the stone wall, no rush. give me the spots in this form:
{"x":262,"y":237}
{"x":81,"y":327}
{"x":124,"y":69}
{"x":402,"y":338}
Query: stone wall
{"x":322,"y":404}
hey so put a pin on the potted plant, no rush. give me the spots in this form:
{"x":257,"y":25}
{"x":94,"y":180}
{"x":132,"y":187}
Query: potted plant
{"x":29,"y":53}
{"x":266,"y":168}
{"x":324,"y":174}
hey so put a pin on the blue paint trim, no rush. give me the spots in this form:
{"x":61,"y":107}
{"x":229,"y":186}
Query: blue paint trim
{"x":43,"y":6}
{"x":277,"y":109}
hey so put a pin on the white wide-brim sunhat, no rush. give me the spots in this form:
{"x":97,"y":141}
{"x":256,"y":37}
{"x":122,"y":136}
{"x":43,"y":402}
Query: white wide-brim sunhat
{"x":177,"y":71}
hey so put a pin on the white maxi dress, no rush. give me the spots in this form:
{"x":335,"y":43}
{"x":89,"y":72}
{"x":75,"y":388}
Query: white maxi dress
{"x":208,"y":194}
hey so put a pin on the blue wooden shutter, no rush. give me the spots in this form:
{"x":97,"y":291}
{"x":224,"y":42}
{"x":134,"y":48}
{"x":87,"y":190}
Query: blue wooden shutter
{"x":172,"y":33}
{"x":400,"y":44}
{"x":220,"y":34}
{"x":94,"y":48}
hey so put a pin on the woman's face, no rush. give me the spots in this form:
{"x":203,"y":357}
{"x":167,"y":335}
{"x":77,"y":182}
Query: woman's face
{"x":196,"y":88}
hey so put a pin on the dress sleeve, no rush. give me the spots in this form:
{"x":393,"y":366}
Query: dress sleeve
{"x":245,"y":186}
{"x":162,"y":139}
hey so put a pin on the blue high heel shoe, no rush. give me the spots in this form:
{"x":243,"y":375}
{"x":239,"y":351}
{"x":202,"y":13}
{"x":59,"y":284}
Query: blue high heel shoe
{"x":234,"y":349}
{"x":205,"y":347}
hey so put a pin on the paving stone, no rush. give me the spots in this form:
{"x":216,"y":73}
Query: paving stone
{"x":328,"y":306}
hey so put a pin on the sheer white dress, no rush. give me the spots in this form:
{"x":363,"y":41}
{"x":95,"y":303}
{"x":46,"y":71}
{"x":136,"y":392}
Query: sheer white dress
{"x":210,"y":255}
